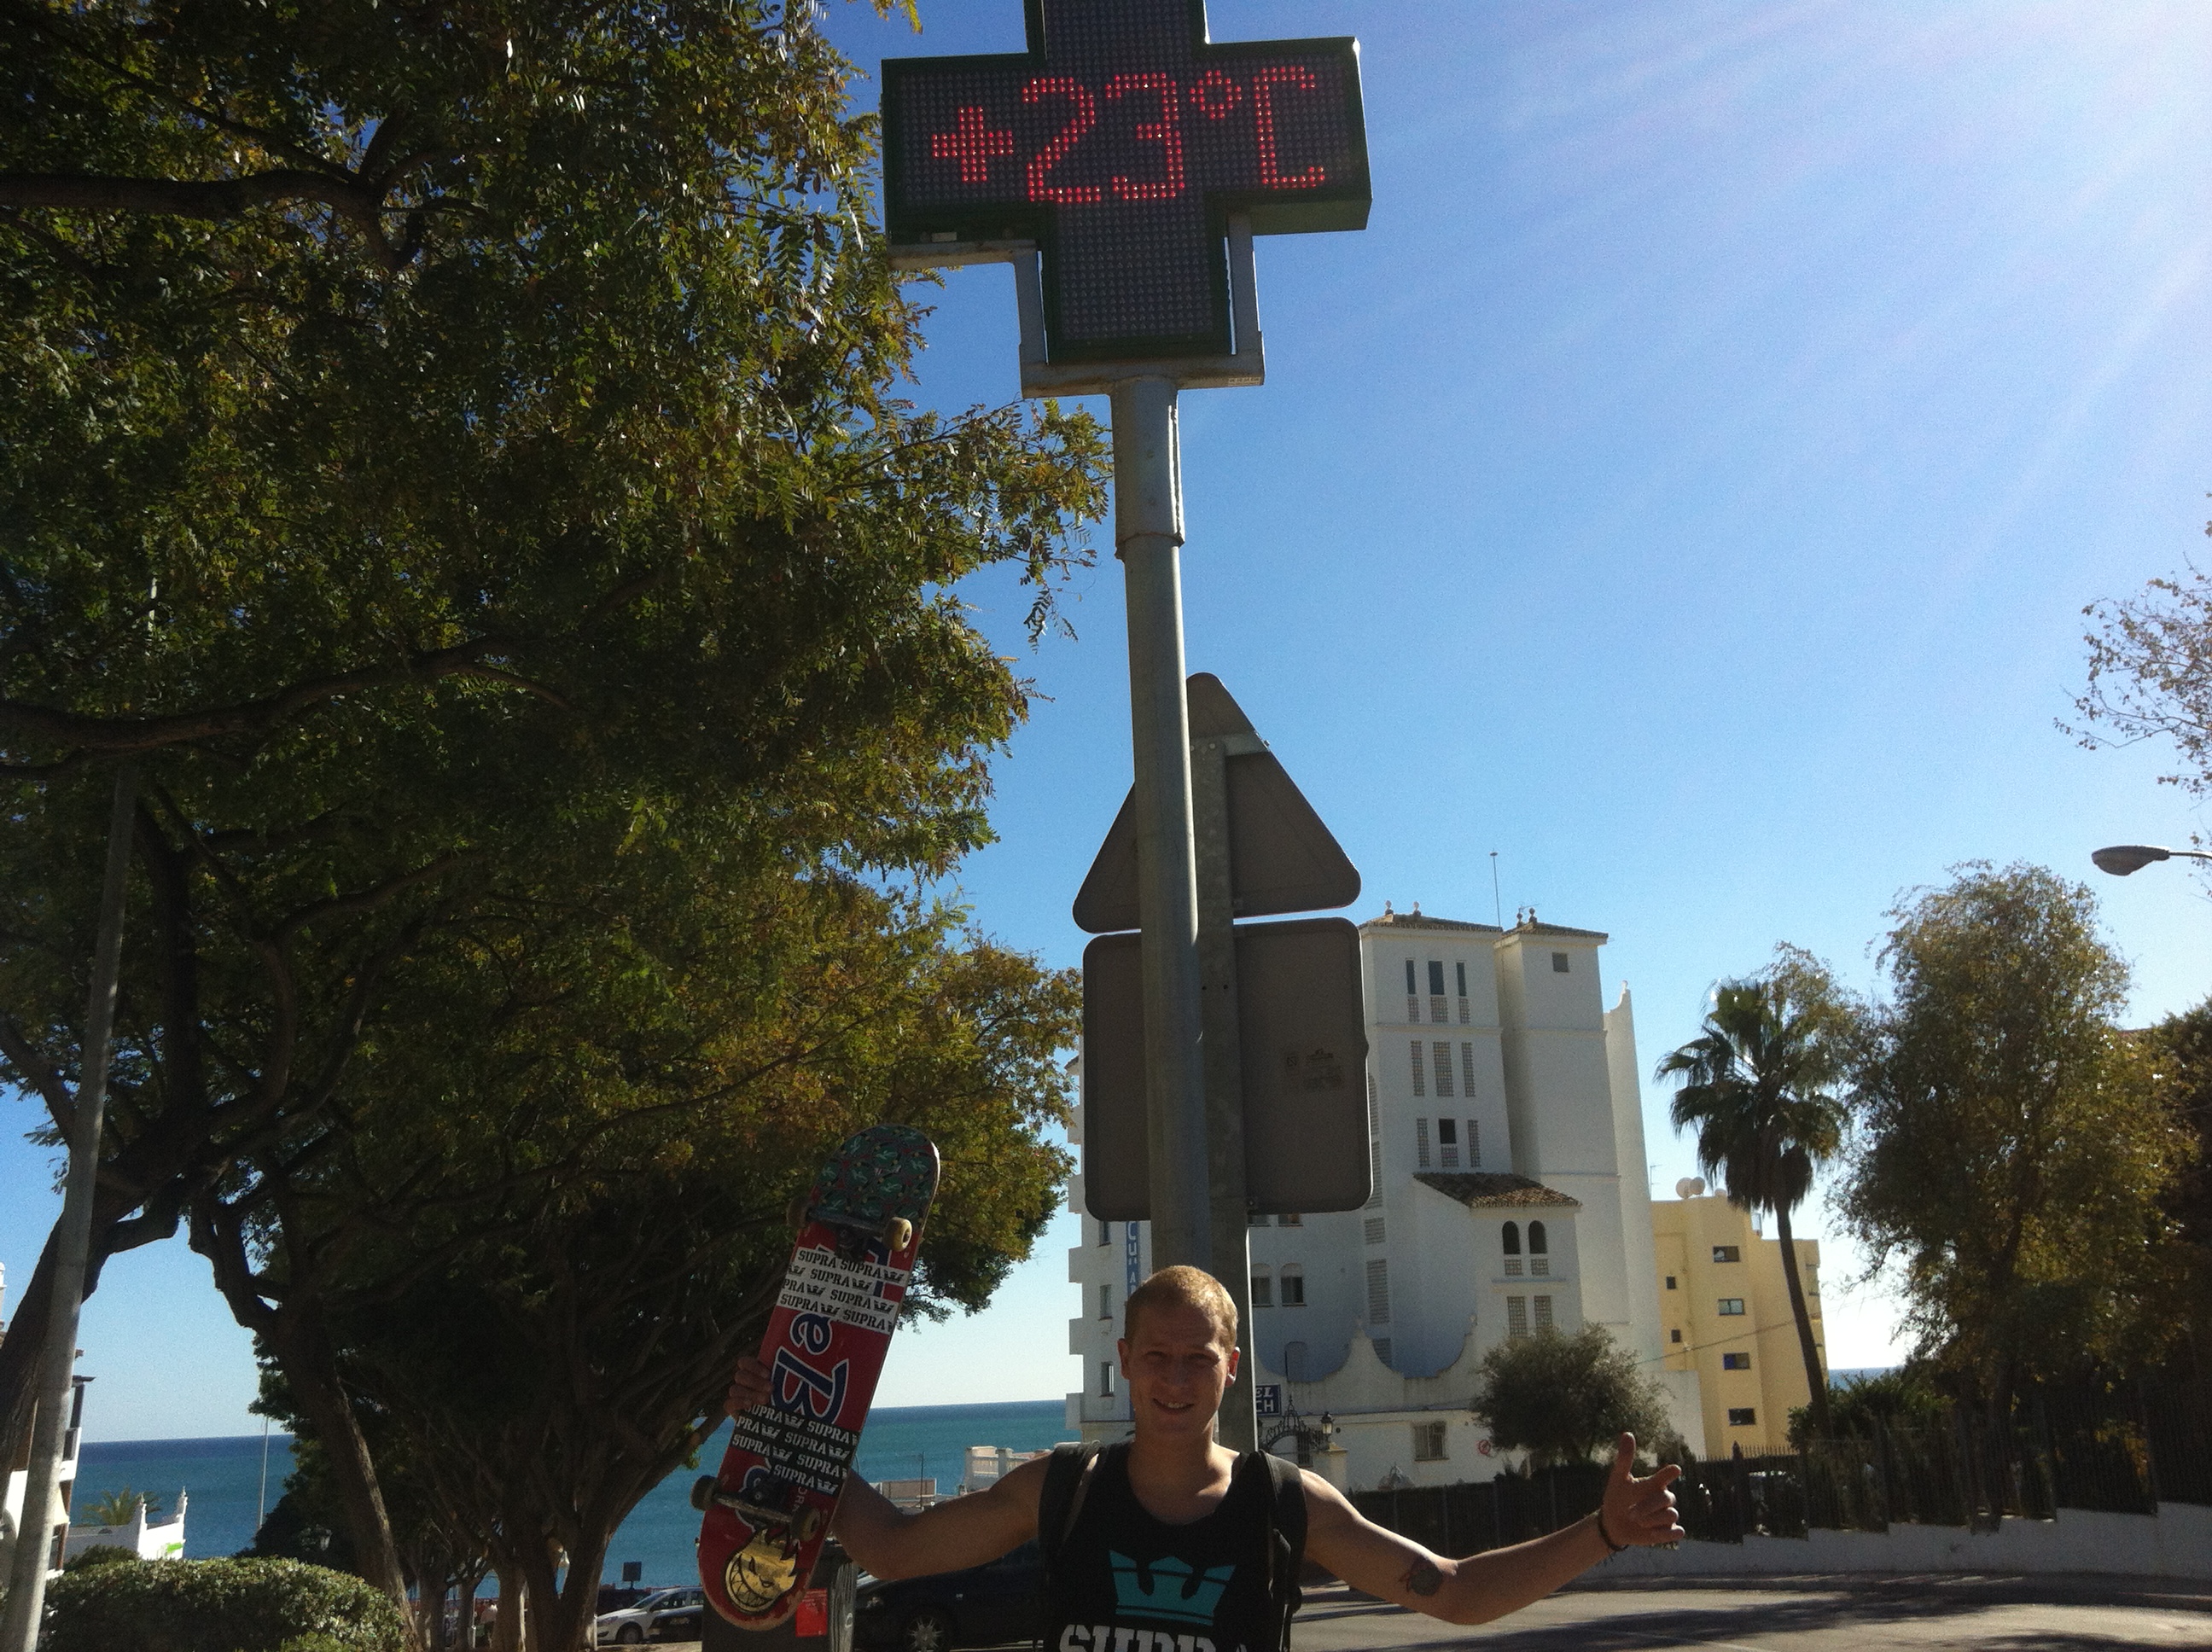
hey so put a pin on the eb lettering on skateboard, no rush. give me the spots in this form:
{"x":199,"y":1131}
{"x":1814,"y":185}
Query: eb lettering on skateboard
{"x":768,"y":1511}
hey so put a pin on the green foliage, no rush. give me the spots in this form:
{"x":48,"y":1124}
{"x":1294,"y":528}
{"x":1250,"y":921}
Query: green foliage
{"x":2013,"y":1149}
{"x":2179,"y":1049}
{"x":101,"y":1554}
{"x":121,"y":1507}
{"x":1901,"y":1399}
{"x":2150,"y":674}
{"x":1761,"y":1086}
{"x":217,"y":1606}
{"x":1563,"y":1398}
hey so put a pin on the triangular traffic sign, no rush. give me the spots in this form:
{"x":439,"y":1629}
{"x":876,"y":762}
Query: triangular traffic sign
{"x":1281,"y":858}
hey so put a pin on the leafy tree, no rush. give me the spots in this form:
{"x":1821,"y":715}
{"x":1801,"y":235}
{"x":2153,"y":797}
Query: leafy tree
{"x":2150,"y":674}
{"x":2012,"y":1152}
{"x":1563,"y":1397}
{"x":2179,"y":1048}
{"x":1761,"y":1085}
{"x":531,"y":1300}
{"x":1903,"y":1398}
{"x":451,"y":445}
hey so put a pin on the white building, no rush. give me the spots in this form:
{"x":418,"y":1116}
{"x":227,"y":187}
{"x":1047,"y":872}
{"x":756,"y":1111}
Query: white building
{"x":1506,"y":1127}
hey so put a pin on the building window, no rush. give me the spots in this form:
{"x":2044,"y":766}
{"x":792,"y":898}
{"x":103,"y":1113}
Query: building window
{"x":1263,"y":1290}
{"x":1421,"y":1138}
{"x":1420,"y":1080}
{"x":1294,"y":1361}
{"x":1731,"y":1306}
{"x":1517,"y":1316}
{"x":1461,"y":968}
{"x":1105,"y":1233}
{"x":1442,"y":1053}
{"x":1105,"y":1301}
{"x":1467,"y":1071}
{"x":1428,"y":1442}
{"x":1543,"y":1313}
{"x":1726,"y":1253}
{"x":1511,"y":1238}
{"x":1474,"y":1146}
{"x":1293,"y":1281}
{"x":1374,"y":1145}
{"x":1670,"y":1282}
{"x":1375,"y":1236}
{"x":1382,"y":1349}
{"x":1105,"y":1379}
{"x":1673,"y":1336}
{"x":1539,"y":1259}
{"x":1256,"y":1219}
{"x":1448,"y":1141}
{"x":1743,"y":1417}
{"x":1735,"y":1362}
{"x":1558,"y":963}
{"x":1291,"y":1219}
{"x":1413,"y":993}
{"x":1378,"y":1292}
{"x":1436,"y":991}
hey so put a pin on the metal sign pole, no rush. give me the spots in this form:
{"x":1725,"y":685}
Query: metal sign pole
{"x":1148,"y":535}
{"x":26,"y":1589}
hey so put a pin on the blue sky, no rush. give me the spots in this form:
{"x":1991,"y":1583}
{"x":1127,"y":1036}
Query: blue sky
{"x":1688,"y":487}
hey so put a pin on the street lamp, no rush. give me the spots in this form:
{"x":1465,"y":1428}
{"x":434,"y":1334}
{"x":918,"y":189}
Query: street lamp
{"x":2124,"y":858}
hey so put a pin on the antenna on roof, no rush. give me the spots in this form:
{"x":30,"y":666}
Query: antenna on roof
{"x":1496,"y":901}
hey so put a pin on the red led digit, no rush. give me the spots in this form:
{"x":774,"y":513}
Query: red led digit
{"x":1214,"y":95}
{"x":1263,"y":110}
{"x":1042,"y":163}
{"x":1166,"y":131}
{"x":973,"y":144}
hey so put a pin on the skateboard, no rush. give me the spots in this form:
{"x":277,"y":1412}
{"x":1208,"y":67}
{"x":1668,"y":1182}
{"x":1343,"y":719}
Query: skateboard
{"x":768,"y":1511}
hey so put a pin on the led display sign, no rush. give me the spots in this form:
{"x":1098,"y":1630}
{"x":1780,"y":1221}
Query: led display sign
{"x":1120,"y":141}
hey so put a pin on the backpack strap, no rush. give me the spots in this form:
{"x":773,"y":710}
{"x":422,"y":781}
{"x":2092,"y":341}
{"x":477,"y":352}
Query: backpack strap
{"x":1286,"y":1535}
{"x":1067,"y":1475}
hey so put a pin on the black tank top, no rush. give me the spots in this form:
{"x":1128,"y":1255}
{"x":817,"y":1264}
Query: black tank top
{"x":1124,"y":1582}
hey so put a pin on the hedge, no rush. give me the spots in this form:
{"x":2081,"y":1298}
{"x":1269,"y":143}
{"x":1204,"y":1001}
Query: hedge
{"x":219,"y":1605}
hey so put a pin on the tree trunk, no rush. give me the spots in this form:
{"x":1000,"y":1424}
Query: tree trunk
{"x":1816,"y":1380}
{"x":507,"y":1623}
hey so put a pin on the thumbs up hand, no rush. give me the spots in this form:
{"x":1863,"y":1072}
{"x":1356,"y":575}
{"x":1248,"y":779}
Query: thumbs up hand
{"x":1637,"y":1512}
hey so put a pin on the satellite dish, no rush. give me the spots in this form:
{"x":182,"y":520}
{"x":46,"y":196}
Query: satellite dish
{"x":1689,"y":1187}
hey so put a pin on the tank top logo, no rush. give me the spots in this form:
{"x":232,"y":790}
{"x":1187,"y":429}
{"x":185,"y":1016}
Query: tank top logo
{"x":1173,"y":1592}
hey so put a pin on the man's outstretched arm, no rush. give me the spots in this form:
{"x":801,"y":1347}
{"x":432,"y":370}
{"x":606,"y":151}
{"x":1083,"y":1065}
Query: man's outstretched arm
{"x":888,"y":1542}
{"x":1490,"y":1585}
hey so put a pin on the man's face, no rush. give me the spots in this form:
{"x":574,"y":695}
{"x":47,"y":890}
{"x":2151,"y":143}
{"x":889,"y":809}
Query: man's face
{"x":1176,"y":1370}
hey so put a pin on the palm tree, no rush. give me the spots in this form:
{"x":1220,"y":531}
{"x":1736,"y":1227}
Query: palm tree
{"x":1760,"y":1085}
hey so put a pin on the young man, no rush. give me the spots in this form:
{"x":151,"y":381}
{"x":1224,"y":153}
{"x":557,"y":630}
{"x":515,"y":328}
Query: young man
{"x":1166,"y":1523}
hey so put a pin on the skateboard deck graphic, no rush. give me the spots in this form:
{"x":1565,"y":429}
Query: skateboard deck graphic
{"x":768,"y":1510}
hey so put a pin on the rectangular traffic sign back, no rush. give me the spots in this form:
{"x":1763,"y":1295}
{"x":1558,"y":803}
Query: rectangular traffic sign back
{"x":1303,"y":1034}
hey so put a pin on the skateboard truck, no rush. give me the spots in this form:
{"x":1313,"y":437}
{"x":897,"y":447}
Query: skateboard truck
{"x":895,"y":1231}
{"x":760,"y":1516}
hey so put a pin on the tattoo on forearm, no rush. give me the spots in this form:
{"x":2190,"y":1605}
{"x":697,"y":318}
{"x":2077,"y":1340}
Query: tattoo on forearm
{"x":1422,"y":1578}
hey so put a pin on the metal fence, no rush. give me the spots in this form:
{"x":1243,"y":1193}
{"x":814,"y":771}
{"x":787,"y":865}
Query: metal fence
{"x":2124,"y":1451}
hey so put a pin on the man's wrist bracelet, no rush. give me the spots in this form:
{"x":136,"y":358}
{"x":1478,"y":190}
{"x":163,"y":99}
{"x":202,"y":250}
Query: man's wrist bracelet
{"x":1604,"y":1536}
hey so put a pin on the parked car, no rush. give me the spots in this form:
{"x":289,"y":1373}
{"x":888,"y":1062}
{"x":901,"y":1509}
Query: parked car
{"x":675,"y":1614}
{"x":992,"y":1604}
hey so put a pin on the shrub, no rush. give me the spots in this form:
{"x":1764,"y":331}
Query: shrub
{"x":220,"y":1606}
{"x":99,"y":1554}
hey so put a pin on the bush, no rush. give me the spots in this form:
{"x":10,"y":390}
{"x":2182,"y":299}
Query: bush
{"x":99,"y":1554}
{"x":219,"y":1605}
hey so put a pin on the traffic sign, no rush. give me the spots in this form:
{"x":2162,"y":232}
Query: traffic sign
{"x":1302,"y":1035}
{"x":1281,"y":857}
{"x":1121,"y":143}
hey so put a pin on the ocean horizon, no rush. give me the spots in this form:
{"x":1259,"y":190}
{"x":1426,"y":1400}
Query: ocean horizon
{"x":223,"y":1476}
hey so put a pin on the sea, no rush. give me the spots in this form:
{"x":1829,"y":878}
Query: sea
{"x":224,"y":1477}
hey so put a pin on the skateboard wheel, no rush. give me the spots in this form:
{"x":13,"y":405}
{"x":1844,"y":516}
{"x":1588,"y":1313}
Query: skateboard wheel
{"x":898,"y":1233}
{"x":703,"y":1493}
{"x":794,"y":1214}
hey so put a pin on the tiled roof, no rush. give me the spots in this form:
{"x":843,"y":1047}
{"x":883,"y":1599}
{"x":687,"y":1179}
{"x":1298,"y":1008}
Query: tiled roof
{"x":1494,"y":1190}
{"x":1421,"y":921}
{"x":1533,"y":928}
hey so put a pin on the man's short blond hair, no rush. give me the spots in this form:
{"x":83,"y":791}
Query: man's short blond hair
{"x":1182,"y":1286}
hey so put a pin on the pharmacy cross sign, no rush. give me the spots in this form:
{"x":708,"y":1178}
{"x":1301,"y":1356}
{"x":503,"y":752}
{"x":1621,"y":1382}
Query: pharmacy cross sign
{"x":1121,"y":143}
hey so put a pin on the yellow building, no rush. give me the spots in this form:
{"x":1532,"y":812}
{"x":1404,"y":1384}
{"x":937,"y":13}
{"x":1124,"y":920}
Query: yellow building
{"x":1724,"y":1312}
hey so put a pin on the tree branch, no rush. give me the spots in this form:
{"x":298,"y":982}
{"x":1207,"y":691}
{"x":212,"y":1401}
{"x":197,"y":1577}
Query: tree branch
{"x":35,"y":1071}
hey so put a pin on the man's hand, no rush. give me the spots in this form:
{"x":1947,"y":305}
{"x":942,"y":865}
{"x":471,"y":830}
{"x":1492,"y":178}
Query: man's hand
{"x":1638,"y":1512}
{"x":748,"y":1386}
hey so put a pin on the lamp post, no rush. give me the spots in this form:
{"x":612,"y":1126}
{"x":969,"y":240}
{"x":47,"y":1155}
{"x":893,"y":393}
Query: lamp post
{"x":2121,"y":858}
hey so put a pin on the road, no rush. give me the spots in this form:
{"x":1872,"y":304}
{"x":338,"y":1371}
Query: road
{"x":1942,"y":1614}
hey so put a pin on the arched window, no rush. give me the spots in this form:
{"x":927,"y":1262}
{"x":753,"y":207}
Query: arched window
{"x":1512,"y":1238}
{"x":1537,"y":1244}
{"x":1263,"y":1288}
{"x":1292,"y":1279}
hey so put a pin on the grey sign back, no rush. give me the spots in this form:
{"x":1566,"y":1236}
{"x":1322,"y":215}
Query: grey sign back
{"x":1303,"y":1041}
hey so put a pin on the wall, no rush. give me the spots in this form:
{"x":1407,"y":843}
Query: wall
{"x":1686,"y":1232}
